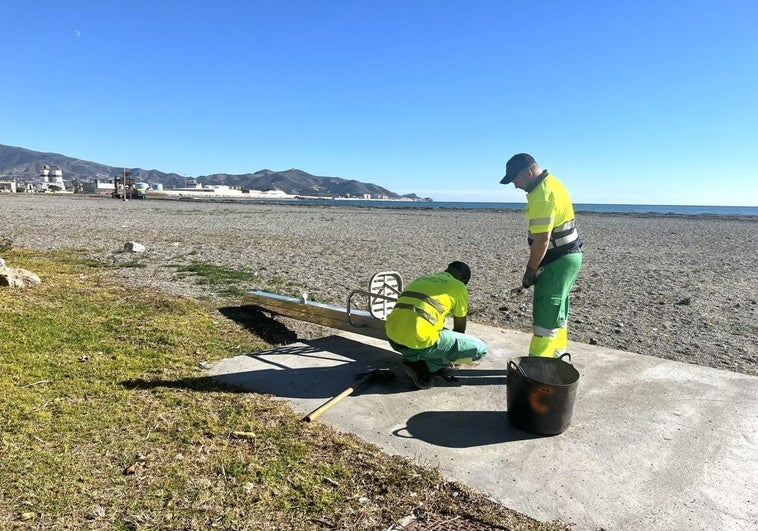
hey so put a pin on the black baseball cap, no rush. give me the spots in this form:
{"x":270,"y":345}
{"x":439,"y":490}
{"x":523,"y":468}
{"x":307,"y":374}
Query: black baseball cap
{"x":462,"y":268}
{"x":515,"y":165}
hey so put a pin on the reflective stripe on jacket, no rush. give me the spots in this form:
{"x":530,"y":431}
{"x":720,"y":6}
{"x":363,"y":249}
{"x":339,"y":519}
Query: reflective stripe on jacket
{"x":419,"y":314}
{"x":549,"y":209}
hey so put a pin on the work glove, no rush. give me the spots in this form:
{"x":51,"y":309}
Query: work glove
{"x":530,"y":277}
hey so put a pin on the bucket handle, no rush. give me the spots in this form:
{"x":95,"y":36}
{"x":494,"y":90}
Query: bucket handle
{"x":565,"y":354}
{"x":517,"y":368}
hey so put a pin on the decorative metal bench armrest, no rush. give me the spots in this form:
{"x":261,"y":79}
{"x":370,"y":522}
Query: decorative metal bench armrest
{"x":370,"y":296}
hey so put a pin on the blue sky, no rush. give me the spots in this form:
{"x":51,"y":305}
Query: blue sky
{"x":652,"y":102}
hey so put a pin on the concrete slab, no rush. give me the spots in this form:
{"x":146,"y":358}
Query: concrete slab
{"x":654,"y":444}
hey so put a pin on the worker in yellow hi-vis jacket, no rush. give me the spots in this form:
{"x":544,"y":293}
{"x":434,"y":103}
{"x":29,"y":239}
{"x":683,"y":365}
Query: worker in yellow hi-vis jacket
{"x":415,"y":327}
{"x":555,"y":255}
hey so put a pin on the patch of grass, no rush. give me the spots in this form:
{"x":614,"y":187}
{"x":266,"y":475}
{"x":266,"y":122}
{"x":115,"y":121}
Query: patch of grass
{"x":222,"y":279}
{"x":231,"y":283}
{"x":134,"y":264}
{"x":108,"y":421}
{"x":277,"y":281}
{"x":73,"y":259}
{"x":95,"y":264}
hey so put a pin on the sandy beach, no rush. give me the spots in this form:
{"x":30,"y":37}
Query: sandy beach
{"x":678,"y":287}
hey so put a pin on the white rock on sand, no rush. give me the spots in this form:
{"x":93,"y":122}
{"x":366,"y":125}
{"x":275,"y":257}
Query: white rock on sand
{"x":676,"y":287}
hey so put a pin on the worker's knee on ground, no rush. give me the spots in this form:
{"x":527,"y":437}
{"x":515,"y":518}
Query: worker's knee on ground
{"x":481,"y":351}
{"x":470,"y":359}
{"x":476,"y":351}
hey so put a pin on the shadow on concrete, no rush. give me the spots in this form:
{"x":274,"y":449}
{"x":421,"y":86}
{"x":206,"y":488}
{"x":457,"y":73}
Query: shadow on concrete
{"x":315,"y":369}
{"x":475,"y":376}
{"x":324,"y":367}
{"x":312,"y":382}
{"x":462,"y":429}
{"x":320,"y":368}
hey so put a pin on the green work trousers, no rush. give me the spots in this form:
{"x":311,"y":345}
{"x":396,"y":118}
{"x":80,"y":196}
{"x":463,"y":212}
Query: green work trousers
{"x":452,"y":348}
{"x":550,"y":306}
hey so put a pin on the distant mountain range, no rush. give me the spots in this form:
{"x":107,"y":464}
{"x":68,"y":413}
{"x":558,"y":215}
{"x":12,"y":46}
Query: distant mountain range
{"x":24,"y":165}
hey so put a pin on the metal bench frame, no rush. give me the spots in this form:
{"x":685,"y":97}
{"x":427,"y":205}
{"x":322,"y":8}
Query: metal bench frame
{"x":384,"y":289}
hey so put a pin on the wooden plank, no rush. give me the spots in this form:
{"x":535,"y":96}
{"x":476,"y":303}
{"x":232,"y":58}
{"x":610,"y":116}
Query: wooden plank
{"x":358,"y":321}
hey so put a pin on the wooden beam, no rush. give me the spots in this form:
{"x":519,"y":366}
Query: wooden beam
{"x":356,"y":321}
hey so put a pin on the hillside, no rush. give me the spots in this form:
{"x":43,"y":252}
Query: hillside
{"x":24,"y":165}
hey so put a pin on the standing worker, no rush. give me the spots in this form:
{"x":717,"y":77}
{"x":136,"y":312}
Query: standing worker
{"x":415,"y":327}
{"x":555,"y":255}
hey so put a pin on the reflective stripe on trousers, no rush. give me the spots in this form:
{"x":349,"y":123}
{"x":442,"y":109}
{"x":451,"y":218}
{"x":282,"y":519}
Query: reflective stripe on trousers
{"x":551,"y":346}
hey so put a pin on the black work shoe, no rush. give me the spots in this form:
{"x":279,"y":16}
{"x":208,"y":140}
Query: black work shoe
{"x":419,"y":374}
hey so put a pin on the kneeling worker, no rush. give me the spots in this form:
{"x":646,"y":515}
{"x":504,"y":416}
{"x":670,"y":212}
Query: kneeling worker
{"x":415,"y":325}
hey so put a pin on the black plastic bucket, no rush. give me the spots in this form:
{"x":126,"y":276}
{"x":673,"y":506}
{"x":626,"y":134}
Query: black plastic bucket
{"x":541,"y":394}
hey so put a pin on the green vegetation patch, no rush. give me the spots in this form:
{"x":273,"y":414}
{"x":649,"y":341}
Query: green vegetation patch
{"x":109,"y":421}
{"x":223,"y":280}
